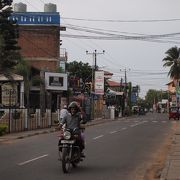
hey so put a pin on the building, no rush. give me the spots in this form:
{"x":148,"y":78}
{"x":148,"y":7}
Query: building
{"x":174,"y":93}
{"x":39,"y":36}
{"x":39,"y":39}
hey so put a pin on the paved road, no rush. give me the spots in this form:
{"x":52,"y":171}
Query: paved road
{"x":119,"y":150}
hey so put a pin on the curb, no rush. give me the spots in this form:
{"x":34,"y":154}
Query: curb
{"x":26,"y":134}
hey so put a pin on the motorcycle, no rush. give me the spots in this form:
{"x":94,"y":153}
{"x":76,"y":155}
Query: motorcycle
{"x":69,"y":148}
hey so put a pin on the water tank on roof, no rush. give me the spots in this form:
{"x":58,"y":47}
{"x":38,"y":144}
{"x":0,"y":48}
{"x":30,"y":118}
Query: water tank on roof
{"x":50,"y":7}
{"x":20,"y":7}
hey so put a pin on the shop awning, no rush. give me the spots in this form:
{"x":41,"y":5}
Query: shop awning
{"x":116,"y":93}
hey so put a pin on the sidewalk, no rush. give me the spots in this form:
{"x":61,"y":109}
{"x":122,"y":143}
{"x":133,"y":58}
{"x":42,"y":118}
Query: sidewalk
{"x":24,"y":134}
{"x":171,"y":170}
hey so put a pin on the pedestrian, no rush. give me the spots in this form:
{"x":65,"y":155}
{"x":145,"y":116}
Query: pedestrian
{"x":63,"y":113}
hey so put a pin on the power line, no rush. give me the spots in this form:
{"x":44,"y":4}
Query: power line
{"x":123,"y":21}
{"x":119,"y":38}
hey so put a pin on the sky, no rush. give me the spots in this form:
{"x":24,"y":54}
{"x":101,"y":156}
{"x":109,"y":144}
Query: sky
{"x":125,"y":30}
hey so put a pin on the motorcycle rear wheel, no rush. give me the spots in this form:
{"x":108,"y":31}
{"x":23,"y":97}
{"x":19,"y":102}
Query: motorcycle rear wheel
{"x":65,"y":160}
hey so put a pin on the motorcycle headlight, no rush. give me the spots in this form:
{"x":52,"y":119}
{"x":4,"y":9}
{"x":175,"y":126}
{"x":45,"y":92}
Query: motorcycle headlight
{"x":67,"y":135}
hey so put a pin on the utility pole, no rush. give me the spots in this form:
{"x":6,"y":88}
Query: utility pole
{"x":120,"y":89}
{"x":125,"y":87}
{"x":95,"y":53}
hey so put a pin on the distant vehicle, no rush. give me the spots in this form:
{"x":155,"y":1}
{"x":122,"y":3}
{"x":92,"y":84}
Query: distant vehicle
{"x":135,"y":109}
{"x":174,"y":113}
{"x":141,"y":111}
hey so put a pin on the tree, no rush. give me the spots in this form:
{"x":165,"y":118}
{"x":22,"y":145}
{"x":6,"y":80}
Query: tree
{"x":31,"y":77}
{"x":4,"y":3}
{"x":9,"y":54}
{"x":81,"y":70}
{"x":172,"y":60}
{"x":155,"y":96}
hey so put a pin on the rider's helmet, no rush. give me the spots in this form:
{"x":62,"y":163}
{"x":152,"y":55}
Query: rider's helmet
{"x":74,"y":104}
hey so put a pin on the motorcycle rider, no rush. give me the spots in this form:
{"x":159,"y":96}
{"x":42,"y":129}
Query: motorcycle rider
{"x":73,"y":120}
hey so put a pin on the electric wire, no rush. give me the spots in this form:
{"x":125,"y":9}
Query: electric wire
{"x":123,"y":21}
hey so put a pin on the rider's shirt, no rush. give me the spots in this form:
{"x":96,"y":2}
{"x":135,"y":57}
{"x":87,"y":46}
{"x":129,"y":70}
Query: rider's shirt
{"x":72,"y":121}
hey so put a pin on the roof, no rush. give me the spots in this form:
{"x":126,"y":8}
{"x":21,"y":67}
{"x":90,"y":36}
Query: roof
{"x":171,"y":82}
{"x":117,"y":93}
{"x":114,"y":83}
{"x":108,"y":73}
{"x":16,"y":77}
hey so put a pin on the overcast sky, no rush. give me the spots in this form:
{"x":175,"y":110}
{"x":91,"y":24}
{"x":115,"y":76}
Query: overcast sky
{"x":127,"y":19}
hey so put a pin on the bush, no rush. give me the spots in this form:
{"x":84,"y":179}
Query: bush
{"x":1,"y":113}
{"x":3,"y":129}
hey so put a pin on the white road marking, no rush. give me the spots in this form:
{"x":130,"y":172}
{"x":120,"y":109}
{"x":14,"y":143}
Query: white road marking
{"x":154,"y":121}
{"x":98,"y":137}
{"x":112,"y":132}
{"x":133,"y":125}
{"x":31,"y":160}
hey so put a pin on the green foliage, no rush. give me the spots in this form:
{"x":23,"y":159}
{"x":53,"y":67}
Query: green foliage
{"x":172,"y":60}
{"x":80,"y":69}
{"x":59,"y":70}
{"x":36,"y":80}
{"x":23,"y":68}
{"x":9,"y":50}
{"x":1,"y":113}
{"x":155,"y":96}
{"x":3,"y":129}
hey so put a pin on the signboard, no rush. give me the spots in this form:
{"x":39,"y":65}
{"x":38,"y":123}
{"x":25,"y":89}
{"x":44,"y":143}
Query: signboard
{"x":9,"y":94}
{"x":133,"y":97}
{"x":99,"y":82}
{"x":56,"y":81}
{"x":39,"y":18}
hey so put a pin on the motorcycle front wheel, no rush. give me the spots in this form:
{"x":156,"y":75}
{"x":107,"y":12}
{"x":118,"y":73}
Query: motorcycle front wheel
{"x":65,"y":160}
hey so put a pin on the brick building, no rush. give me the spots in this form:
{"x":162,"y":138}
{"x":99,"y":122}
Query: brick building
{"x":39,"y":39}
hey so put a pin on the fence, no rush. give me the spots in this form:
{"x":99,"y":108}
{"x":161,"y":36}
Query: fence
{"x":18,"y":119}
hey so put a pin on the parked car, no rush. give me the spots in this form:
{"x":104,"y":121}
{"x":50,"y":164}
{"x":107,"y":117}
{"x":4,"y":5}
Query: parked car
{"x":174,"y":112}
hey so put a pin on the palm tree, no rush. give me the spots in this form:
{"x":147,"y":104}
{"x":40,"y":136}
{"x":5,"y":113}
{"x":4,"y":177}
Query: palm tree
{"x":29,"y":74}
{"x":172,"y":60}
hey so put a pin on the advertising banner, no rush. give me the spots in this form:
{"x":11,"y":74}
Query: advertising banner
{"x":56,"y":81}
{"x":99,"y":82}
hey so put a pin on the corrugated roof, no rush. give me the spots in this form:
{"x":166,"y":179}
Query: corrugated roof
{"x":114,"y":83}
{"x":16,"y":77}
